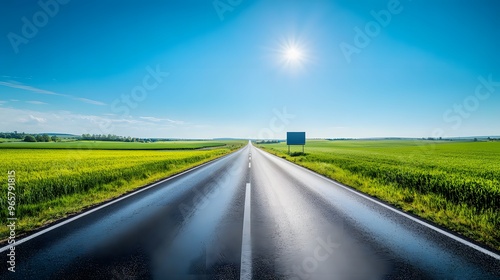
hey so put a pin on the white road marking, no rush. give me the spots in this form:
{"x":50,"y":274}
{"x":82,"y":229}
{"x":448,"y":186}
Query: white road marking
{"x":249,"y":165}
{"x":450,"y":235}
{"x":246,"y":241}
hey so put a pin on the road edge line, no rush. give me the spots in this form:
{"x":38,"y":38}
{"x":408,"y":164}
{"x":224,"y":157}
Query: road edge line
{"x":113,"y":201}
{"x":398,"y":211}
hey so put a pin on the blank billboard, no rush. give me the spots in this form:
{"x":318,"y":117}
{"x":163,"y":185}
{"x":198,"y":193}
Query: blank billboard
{"x":295,"y":138}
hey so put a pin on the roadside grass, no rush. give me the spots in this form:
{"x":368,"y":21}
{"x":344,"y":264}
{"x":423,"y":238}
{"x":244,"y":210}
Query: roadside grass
{"x":455,"y":185}
{"x":3,"y":140}
{"x":54,"y":183}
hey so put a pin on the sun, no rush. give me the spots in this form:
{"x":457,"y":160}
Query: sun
{"x":293,"y":54}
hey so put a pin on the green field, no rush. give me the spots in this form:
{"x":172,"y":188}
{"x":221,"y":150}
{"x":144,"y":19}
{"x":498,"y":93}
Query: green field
{"x":454,"y":184}
{"x":2,"y":140}
{"x":53,"y":183}
{"x":111,"y":145}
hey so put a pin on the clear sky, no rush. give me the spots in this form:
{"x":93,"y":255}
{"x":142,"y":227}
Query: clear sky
{"x":241,"y":68}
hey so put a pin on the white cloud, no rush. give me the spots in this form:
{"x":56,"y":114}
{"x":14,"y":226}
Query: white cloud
{"x":15,"y":77}
{"x":35,"y":102}
{"x":34,"y":121}
{"x":30,"y":120}
{"x":90,"y":101}
{"x":154,"y":119}
{"x":14,"y":84}
{"x":18,"y":85}
{"x":37,"y":119}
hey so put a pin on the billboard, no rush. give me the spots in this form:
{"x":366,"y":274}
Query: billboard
{"x":295,"y":138}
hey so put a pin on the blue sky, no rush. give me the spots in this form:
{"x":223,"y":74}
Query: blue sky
{"x":229,"y":68}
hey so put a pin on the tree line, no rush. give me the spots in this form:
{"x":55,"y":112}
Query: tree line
{"x":43,"y":137}
{"x":112,"y":137}
{"x":29,"y":137}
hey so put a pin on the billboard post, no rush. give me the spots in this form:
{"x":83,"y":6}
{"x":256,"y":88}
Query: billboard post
{"x":295,"y":138}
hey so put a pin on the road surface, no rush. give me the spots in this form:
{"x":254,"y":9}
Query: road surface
{"x":249,"y":215}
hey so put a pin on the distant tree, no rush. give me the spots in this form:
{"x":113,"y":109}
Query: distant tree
{"x":54,"y":138}
{"x":29,"y":138}
{"x":39,"y":138}
{"x":475,"y":139}
{"x":46,"y":138}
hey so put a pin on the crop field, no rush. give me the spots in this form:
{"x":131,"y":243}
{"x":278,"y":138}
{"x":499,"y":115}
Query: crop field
{"x":53,"y":183}
{"x":454,"y":184}
{"x":111,"y":145}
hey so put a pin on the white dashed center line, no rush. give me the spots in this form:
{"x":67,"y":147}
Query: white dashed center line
{"x":246,"y":241}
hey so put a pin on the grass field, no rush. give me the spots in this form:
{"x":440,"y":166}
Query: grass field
{"x":454,"y":184}
{"x":52,"y":183}
{"x":110,"y":145}
{"x":2,"y":140}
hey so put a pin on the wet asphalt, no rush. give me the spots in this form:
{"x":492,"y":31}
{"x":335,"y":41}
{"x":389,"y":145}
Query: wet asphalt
{"x":298,"y":225}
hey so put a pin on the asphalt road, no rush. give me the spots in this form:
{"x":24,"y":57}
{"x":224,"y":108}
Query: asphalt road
{"x":249,"y":215}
